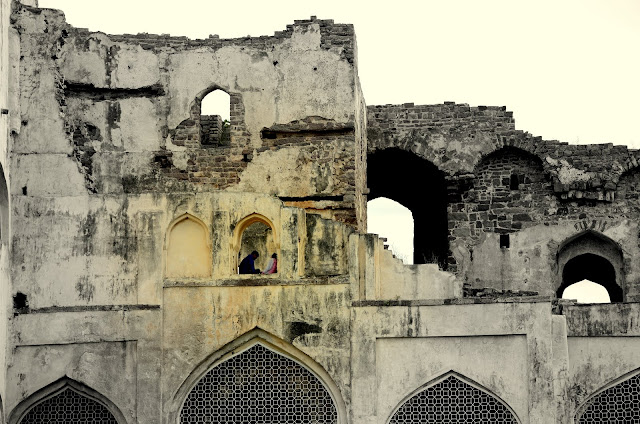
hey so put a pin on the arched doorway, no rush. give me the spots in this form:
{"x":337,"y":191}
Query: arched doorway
{"x":594,"y":257}
{"x":418,"y":185}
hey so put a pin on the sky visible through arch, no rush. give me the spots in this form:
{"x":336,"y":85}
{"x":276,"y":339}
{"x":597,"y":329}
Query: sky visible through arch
{"x":567,"y":69}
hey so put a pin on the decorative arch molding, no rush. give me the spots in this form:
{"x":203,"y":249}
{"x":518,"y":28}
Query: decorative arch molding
{"x":207,"y":246}
{"x":591,"y":247}
{"x":452,"y":376}
{"x":609,"y":395}
{"x":244,"y":342}
{"x":238,"y":230}
{"x":56,"y":388}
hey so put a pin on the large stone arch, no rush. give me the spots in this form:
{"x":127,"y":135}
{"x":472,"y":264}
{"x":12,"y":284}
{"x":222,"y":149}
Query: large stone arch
{"x":618,"y":400}
{"x":420,"y":186}
{"x":592,"y":256}
{"x":452,"y":398}
{"x":243,"y":351}
{"x":67,"y":401}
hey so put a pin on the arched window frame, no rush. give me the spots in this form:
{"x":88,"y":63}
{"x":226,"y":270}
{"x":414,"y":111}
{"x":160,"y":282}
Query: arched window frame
{"x":56,"y":388}
{"x":611,"y":251}
{"x":580,"y":410}
{"x":236,"y":240}
{"x":442,"y":377}
{"x":170,"y":228}
{"x":241,"y":344}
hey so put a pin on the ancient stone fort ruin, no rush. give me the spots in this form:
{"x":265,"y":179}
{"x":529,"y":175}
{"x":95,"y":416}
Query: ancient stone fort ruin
{"x":124,"y":213}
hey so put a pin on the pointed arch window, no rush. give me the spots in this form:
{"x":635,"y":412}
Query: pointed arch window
{"x":259,"y":385}
{"x":618,"y":403}
{"x":66,"y":402}
{"x":452,"y":400}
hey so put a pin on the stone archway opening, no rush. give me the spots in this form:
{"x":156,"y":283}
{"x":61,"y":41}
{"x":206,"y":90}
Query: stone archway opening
{"x":587,"y":259}
{"x":215,"y":119}
{"x":592,"y":268}
{"x":418,"y":185}
{"x":394,"y":222}
{"x":586,"y":291}
{"x":256,"y":233}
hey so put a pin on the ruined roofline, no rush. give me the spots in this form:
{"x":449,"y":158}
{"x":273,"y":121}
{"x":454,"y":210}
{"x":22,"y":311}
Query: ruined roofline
{"x":452,"y":110}
{"x":589,"y":171}
{"x":339,"y":37}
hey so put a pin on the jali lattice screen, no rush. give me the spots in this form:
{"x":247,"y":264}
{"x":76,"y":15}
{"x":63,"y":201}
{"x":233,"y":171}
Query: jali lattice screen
{"x":259,"y":386}
{"x":452,"y":401}
{"x":617,"y":404}
{"x":68,"y":407}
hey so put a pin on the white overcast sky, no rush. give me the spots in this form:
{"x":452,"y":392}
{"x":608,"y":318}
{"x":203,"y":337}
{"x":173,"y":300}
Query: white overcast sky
{"x":568,"y":69}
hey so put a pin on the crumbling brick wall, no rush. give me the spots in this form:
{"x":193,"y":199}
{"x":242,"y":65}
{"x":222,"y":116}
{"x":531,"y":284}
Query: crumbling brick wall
{"x":484,"y":159}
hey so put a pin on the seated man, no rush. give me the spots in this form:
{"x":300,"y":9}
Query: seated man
{"x":247,"y":266}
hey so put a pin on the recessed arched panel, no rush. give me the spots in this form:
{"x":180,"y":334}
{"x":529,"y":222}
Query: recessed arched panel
{"x":259,"y":385}
{"x":452,"y":400}
{"x":188,"y":249}
{"x":66,"y":402}
{"x":617,"y":403}
{"x":509,"y":186}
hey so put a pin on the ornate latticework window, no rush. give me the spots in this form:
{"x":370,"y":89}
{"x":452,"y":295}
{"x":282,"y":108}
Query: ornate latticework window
{"x":617,"y":404}
{"x":68,"y":407}
{"x":452,"y":401}
{"x":259,"y":386}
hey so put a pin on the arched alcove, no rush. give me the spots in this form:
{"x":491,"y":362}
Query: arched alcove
{"x":418,"y":185}
{"x":66,"y":401}
{"x":508,"y":184}
{"x":215,"y":123}
{"x":255,"y":233}
{"x":628,"y":188}
{"x":393,"y":221}
{"x":452,"y":399}
{"x":4,"y":210}
{"x":188,"y":249}
{"x":618,"y":401}
{"x":258,"y":378}
{"x":594,"y":257}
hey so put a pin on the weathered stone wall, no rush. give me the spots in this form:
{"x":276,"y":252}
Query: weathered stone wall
{"x":6,"y":39}
{"x":127,"y":229}
{"x":130,"y":111}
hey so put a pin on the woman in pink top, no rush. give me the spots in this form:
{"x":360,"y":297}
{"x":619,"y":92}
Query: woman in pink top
{"x":272,"y":266}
